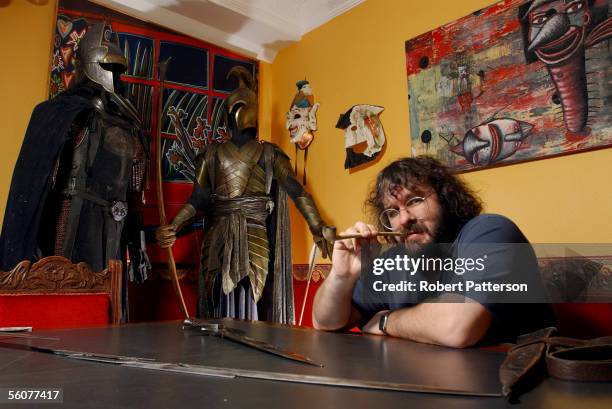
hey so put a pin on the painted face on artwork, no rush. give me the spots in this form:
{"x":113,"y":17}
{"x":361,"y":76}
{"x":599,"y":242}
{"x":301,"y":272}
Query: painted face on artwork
{"x":557,"y":29}
{"x":299,"y":122}
{"x":493,"y":141}
{"x":365,"y":127}
{"x":416,"y":213}
{"x":306,"y":89}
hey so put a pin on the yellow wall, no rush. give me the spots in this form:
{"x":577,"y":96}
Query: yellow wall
{"x":359,"y":58}
{"x":25,"y":30}
{"x":356,"y":58}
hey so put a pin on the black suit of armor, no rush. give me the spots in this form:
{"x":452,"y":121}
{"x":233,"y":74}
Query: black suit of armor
{"x":81,"y":167}
{"x":72,"y":199}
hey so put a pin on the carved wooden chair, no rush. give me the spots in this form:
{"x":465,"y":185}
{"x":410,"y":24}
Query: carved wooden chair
{"x":55,"y":293}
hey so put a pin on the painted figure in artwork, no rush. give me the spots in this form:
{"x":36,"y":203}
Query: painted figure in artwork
{"x":559,"y":33}
{"x":538,"y":70}
{"x":493,"y":141}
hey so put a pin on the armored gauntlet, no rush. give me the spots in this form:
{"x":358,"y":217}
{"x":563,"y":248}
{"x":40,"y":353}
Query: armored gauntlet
{"x":166,"y":235}
{"x":321,"y":233}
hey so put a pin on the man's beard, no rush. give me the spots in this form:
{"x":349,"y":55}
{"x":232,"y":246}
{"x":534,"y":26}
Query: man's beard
{"x":440,"y":234}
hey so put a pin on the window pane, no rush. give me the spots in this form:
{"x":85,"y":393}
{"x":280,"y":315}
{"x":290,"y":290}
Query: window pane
{"x":191,"y":109}
{"x":142,"y":97}
{"x":195,"y":106}
{"x":138,"y":52}
{"x":189,"y":65}
{"x":217,"y":124}
{"x":222,"y":66}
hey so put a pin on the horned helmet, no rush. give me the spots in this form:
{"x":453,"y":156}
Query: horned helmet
{"x":242,"y":102}
{"x":100,"y":58}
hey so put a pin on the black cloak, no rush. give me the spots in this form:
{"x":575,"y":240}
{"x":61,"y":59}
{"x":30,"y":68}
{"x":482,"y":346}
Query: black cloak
{"x":48,"y":131}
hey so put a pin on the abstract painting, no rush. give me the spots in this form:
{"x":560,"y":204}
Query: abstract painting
{"x":516,"y":81}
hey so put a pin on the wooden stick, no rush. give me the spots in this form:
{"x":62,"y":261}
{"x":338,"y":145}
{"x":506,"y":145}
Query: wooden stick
{"x":311,"y":266}
{"x":162,"y":67}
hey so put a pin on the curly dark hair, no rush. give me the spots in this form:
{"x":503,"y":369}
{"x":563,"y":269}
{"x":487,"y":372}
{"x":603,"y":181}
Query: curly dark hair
{"x":459,"y":203}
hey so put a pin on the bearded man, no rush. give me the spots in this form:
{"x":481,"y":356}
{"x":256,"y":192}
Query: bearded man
{"x":426,"y":204}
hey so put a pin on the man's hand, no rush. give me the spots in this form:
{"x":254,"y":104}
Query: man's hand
{"x":332,"y":309}
{"x":346,"y":260}
{"x":372,"y":327}
{"x":165,"y":235}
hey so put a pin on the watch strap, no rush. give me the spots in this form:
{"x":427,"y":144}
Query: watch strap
{"x":382,"y":324}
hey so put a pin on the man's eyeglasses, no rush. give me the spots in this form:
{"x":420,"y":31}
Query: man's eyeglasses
{"x":389,"y":216}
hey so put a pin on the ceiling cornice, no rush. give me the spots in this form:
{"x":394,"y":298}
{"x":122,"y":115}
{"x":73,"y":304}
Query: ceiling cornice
{"x":318,"y":20}
{"x":256,"y":28}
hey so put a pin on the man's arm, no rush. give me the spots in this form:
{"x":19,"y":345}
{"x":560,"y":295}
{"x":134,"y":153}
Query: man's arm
{"x":453,"y":324}
{"x":461,"y":324}
{"x":458,"y":324}
{"x":332,"y":309}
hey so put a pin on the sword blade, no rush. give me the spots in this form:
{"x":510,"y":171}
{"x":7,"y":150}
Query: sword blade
{"x":214,"y":371}
{"x":219,"y":330}
{"x":269,"y":348}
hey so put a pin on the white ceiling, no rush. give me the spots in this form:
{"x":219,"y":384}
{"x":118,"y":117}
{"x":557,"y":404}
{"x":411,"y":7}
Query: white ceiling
{"x":257,"y":28}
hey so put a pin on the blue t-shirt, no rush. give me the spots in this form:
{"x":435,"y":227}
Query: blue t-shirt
{"x":501,"y":255}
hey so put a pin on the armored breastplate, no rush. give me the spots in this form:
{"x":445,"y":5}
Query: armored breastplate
{"x":106,"y":157}
{"x":102,"y":171}
{"x":110,"y":170}
{"x":238,"y":173}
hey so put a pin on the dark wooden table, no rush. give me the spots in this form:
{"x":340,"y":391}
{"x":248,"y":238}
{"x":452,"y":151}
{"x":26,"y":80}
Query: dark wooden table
{"x":97,"y":385}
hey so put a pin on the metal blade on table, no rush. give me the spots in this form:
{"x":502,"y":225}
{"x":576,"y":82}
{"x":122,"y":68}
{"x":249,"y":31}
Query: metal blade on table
{"x":269,"y":348}
{"x":220,"y":330}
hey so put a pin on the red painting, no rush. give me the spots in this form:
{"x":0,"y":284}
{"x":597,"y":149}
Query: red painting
{"x":516,"y":81}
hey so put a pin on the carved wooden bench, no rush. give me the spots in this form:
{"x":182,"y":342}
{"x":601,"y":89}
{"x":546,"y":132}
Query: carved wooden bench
{"x":53,"y":293}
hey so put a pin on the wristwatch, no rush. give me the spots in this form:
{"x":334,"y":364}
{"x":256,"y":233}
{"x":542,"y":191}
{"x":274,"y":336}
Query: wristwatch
{"x":382,"y":324}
